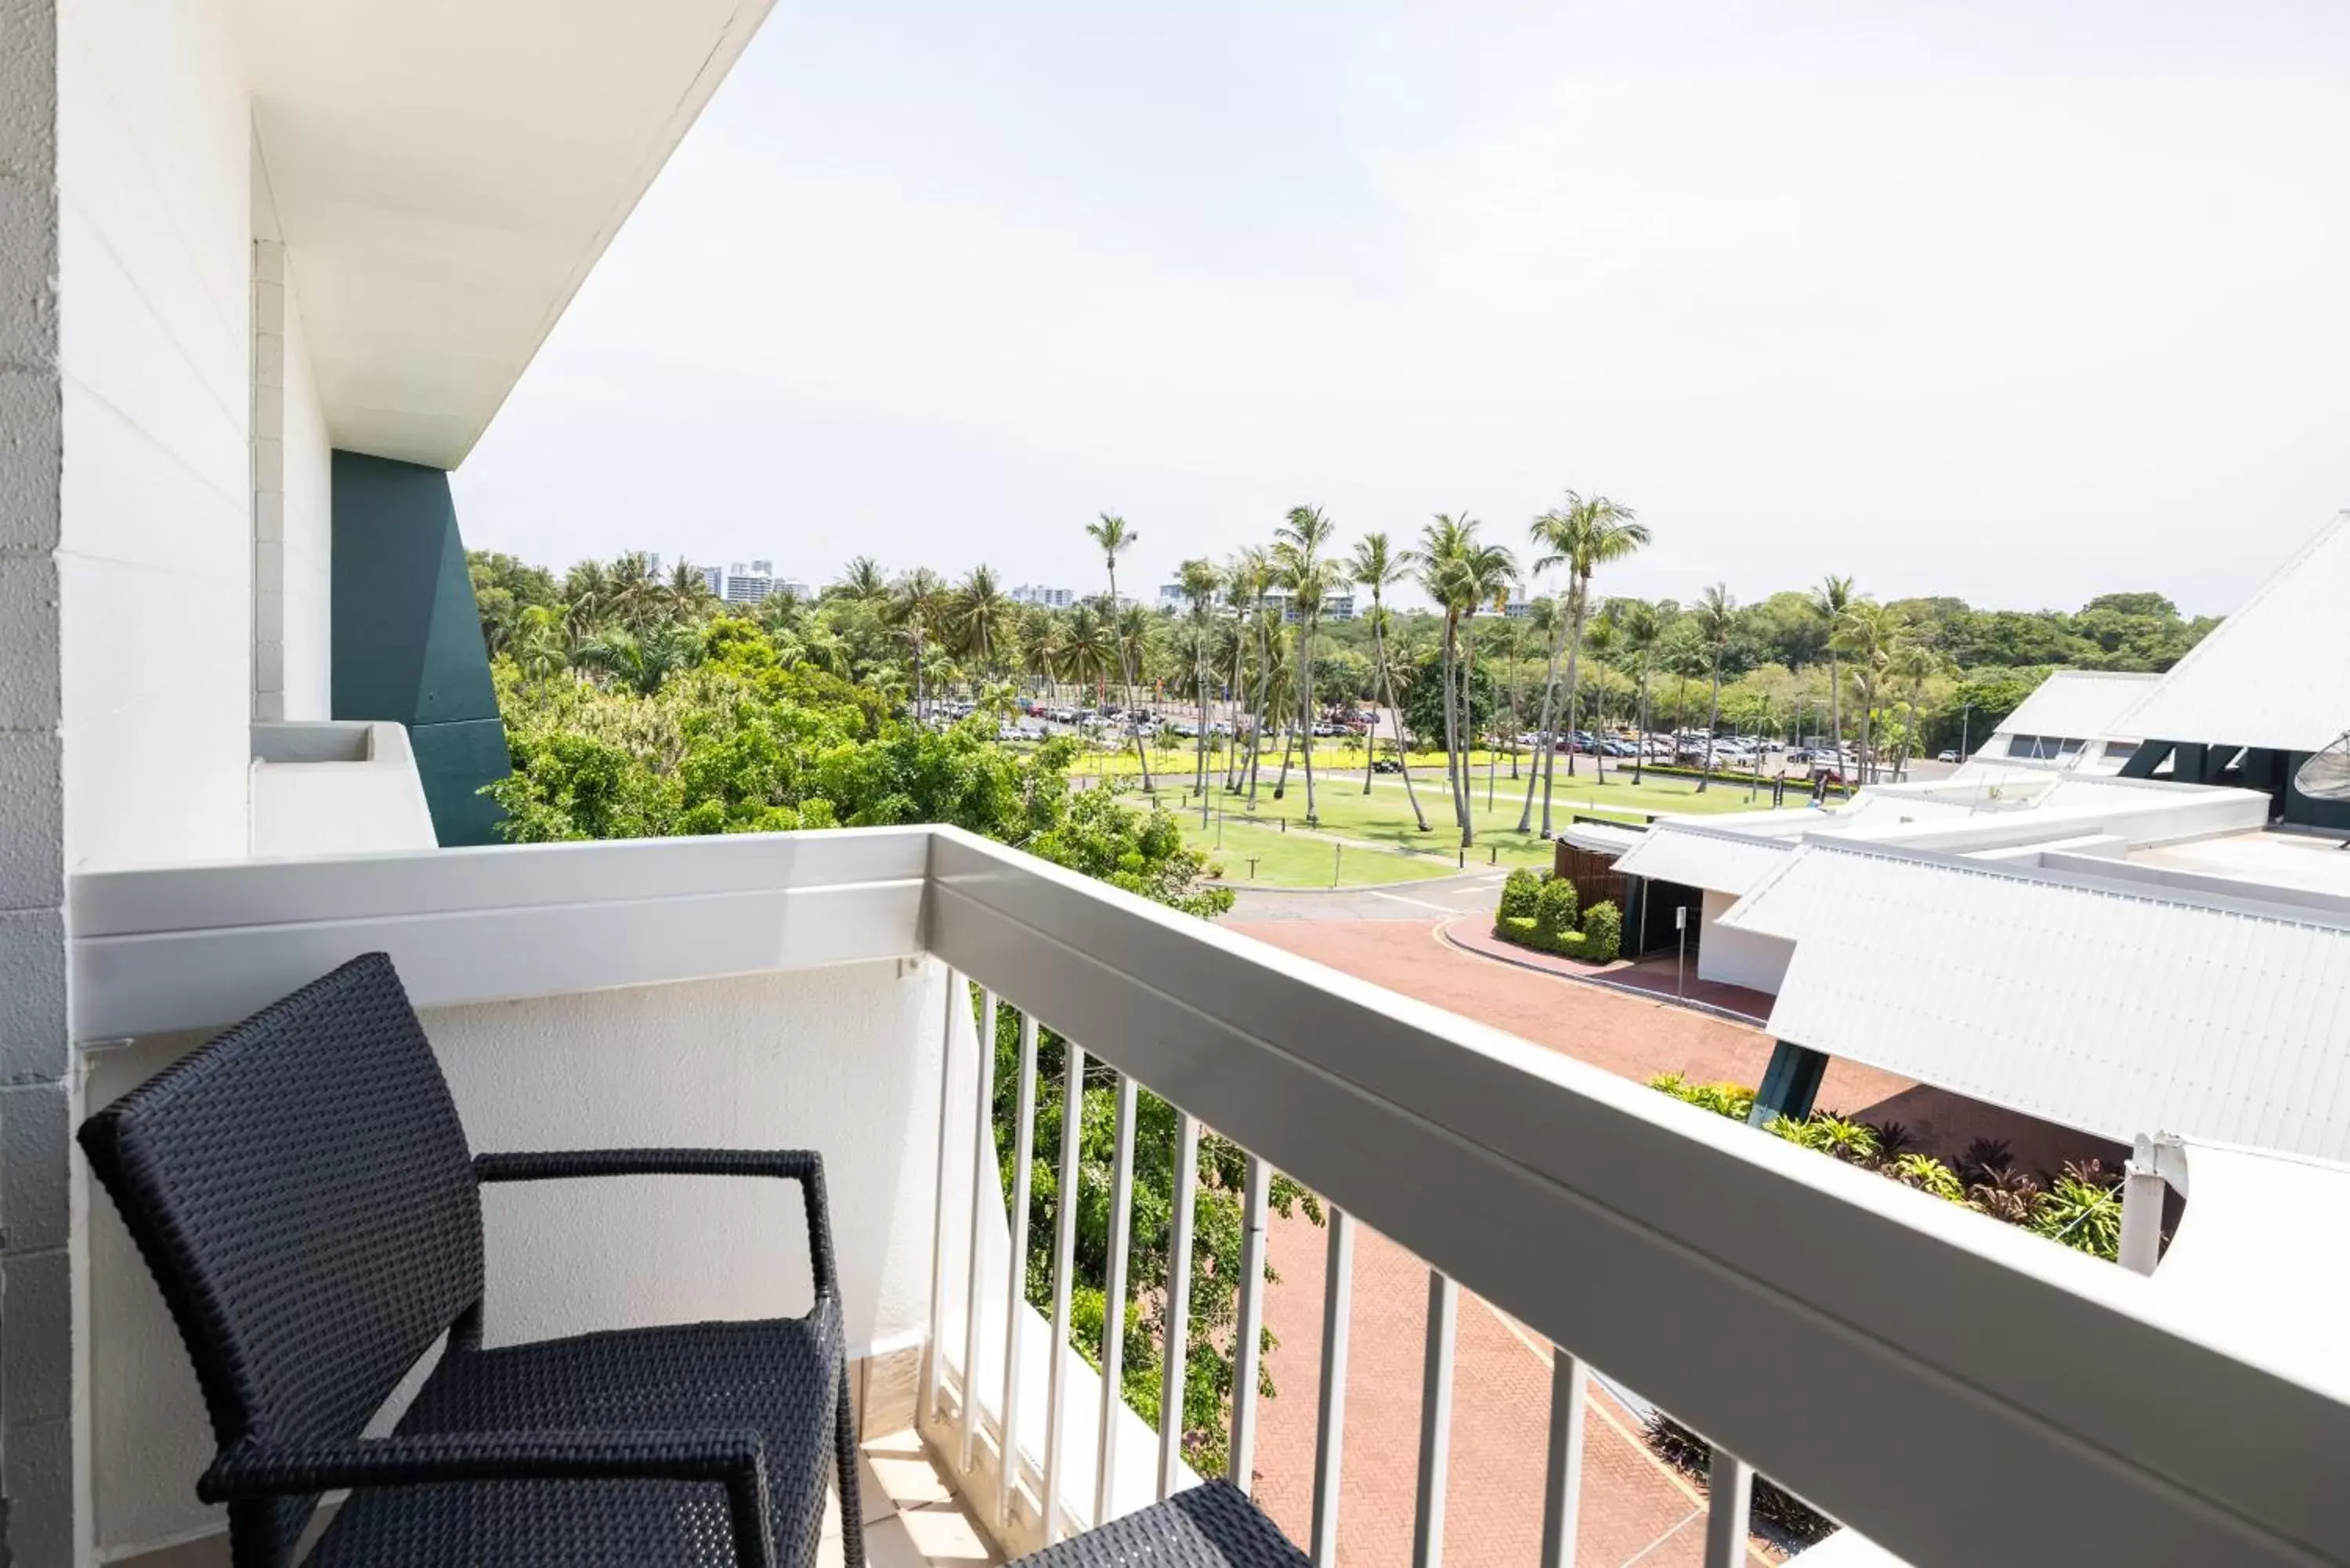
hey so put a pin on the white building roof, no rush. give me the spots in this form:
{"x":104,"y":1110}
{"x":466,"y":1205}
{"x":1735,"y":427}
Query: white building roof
{"x":2081,"y":703}
{"x":444,"y":173}
{"x":2090,"y":1002}
{"x":2274,"y":674}
{"x":1706,"y":857}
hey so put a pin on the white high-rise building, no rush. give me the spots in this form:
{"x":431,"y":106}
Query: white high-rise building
{"x":1038,"y":594}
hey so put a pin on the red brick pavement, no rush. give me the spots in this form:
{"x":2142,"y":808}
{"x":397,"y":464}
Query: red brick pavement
{"x":1631,"y":1504}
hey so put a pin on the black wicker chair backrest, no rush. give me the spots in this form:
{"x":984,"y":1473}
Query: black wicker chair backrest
{"x":302,"y":1189}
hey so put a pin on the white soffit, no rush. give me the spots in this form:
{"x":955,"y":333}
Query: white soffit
{"x":2080,"y":703}
{"x":2275,"y":674}
{"x":446,"y":171}
{"x":1717,"y":862}
{"x":2077,"y":999}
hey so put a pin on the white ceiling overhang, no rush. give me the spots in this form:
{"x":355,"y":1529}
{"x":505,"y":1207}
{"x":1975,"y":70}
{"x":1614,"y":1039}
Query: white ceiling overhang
{"x":444,"y":173}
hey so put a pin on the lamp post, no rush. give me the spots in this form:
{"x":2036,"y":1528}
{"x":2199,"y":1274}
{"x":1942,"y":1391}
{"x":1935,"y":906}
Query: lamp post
{"x":1966,"y":711}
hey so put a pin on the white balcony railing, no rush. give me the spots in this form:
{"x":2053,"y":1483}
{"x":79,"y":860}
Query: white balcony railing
{"x":1961,"y":1392}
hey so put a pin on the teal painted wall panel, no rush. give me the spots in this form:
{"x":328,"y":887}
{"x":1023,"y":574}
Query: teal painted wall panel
{"x":407,"y":638}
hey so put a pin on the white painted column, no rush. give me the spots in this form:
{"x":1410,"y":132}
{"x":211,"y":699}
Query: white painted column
{"x":268,"y":480}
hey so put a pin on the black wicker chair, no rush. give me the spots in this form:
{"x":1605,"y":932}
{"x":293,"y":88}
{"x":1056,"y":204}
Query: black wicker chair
{"x":302,"y":1189}
{"x":1210,"y":1526}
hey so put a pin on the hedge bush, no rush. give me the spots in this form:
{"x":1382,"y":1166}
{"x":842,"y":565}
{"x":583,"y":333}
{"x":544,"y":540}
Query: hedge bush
{"x":1520,"y":893}
{"x":1541,"y":912}
{"x":1558,"y":910}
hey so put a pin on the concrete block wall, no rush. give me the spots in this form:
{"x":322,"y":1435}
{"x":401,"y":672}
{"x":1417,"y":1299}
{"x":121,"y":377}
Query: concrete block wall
{"x":37,"y":1517}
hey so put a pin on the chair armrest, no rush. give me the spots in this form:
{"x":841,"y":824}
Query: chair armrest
{"x":733,"y":1458}
{"x":803,"y":1166}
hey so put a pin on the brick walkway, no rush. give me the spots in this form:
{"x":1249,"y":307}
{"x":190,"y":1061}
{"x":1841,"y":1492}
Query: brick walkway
{"x":1502,"y":1384}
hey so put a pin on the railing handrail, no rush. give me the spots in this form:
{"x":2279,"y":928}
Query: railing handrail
{"x":1960,"y":1391}
{"x":1752,"y":1287}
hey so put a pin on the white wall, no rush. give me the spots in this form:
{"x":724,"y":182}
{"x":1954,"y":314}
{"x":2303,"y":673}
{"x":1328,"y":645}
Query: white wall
{"x":154,"y":562}
{"x":843,"y":1060}
{"x":1740,"y":958}
{"x":308,"y":581}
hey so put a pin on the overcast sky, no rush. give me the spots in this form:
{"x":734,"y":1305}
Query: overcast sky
{"x":2018,"y":301}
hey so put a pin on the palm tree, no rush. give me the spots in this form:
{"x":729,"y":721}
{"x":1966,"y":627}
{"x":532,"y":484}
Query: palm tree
{"x":1273,"y":686}
{"x":1548,"y":618}
{"x":1867,"y":635}
{"x":1244,"y":585}
{"x":983,"y":617}
{"x":1084,"y":652}
{"x":1914,"y":661}
{"x":1717,"y":616}
{"x":1375,"y":568}
{"x":1459,"y":574}
{"x":1638,"y":631}
{"x":1110,"y":532}
{"x":1599,"y":642}
{"x":538,"y":645}
{"x":1829,"y":602}
{"x":863,"y":579}
{"x":1584,"y":535}
{"x":1298,"y":554}
{"x":1489,"y":571}
{"x":1200,"y":581}
{"x":914,"y":606}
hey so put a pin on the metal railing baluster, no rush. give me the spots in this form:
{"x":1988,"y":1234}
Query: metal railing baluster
{"x":1570,"y":1383}
{"x":983,"y":1155}
{"x":1176,"y":1346}
{"x":1435,"y":1421}
{"x":1330,"y":1416}
{"x":1256,"y":1187}
{"x":1023,"y":1150}
{"x":1065,"y":1246}
{"x":1730,"y":1493}
{"x":1113,"y":1346}
{"x":957,"y":991}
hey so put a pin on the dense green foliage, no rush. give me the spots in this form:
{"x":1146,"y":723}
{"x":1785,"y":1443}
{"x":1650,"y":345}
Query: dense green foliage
{"x":1543,"y":912}
{"x":2079,"y":1206}
{"x":1217,"y":1219}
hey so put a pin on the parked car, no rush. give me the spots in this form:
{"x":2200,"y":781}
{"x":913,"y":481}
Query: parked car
{"x":1946,"y":755}
{"x":1386,"y":765}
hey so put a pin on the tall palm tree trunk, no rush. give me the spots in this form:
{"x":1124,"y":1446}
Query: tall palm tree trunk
{"x":1640,"y":753}
{"x":1306,"y":710}
{"x":1573,"y":686}
{"x":1403,"y":752}
{"x":1542,"y":734}
{"x":1712,"y":722}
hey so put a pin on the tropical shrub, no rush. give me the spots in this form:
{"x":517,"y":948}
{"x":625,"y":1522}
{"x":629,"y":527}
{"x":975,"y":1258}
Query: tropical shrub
{"x":1775,"y":1514}
{"x":1557,"y":908}
{"x":1520,"y":893}
{"x":1541,"y":912}
{"x":1603,"y":932}
{"x":2081,"y":1208}
{"x":1730,"y":1100}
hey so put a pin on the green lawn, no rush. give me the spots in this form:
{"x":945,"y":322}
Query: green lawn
{"x":1384,"y":816}
{"x":1301,"y":859}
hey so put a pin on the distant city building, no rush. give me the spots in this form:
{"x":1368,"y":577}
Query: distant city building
{"x":1037,"y":594}
{"x":1337,"y":606}
{"x":1171,"y":596}
{"x":713,"y":576}
{"x":748,"y":585}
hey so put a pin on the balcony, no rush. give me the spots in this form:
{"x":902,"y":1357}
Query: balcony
{"x":1956,"y":1392}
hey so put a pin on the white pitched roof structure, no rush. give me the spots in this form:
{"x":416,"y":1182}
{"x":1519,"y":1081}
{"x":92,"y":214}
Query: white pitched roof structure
{"x":1705,"y":857}
{"x":2100,"y":1005}
{"x":2080,"y":703}
{"x":2275,"y":674}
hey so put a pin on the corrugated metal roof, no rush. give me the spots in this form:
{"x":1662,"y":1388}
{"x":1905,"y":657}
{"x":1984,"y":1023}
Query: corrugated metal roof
{"x":2276,"y":673}
{"x":1719,"y":862}
{"x":2080,"y":703}
{"x":2108,"y":1008}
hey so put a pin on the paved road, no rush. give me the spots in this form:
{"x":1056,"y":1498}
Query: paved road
{"x":1427,"y":901}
